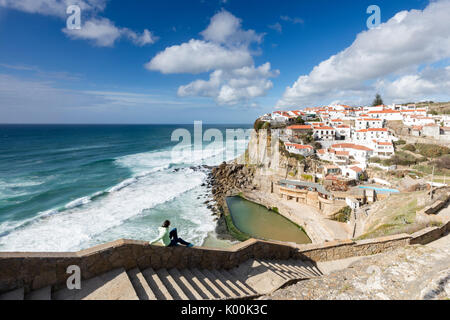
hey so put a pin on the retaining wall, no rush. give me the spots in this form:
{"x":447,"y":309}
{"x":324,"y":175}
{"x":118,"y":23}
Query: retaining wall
{"x":37,"y":270}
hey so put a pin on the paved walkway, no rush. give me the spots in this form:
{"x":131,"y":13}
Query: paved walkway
{"x":412,"y":272}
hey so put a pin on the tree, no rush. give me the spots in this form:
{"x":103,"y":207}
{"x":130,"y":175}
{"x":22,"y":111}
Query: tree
{"x":378,"y":101}
{"x":300,"y":120}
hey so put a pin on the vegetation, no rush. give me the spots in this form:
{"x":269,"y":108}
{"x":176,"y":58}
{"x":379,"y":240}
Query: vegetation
{"x":299,"y":120}
{"x":377,"y":101}
{"x":308,"y":177}
{"x":431,"y":150}
{"x":275,"y":209}
{"x":258,"y":124}
{"x":403,"y":159}
{"x":343,"y":215}
{"x":399,"y":142}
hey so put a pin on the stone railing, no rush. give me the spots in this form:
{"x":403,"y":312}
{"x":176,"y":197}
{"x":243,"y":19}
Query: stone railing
{"x":37,"y":270}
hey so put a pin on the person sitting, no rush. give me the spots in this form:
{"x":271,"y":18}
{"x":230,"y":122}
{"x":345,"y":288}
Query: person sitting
{"x":169,"y":239}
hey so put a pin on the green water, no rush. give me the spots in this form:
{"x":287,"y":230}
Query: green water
{"x":259,"y":222}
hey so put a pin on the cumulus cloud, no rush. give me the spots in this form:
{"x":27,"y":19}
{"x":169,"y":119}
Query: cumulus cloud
{"x":430,"y":84}
{"x":409,"y":40}
{"x":103,"y":33}
{"x":226,"y":51}
{"x":232,"y":86}
{"x":100,"y":31}
{"x":53,"y":7}
{"x":225,"y":28}
{"x":198,"y":56}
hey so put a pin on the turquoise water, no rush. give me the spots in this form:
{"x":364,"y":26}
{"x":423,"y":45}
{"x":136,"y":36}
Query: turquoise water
{"x":69,"y":187}
{"x":380,"y":190}
{"x":259,"y":222}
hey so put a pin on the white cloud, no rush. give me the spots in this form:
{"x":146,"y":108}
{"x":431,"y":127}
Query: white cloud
{"x":293,"y":20}
{"x":225,"y":28}
{"x":277,"y":27}
{"x":147,"y":37}
{"x":52,"y":7}
{"x":232,"y":86}
{"x":103,"y":33}
{"x":407,"y":41}
{"x":224,"y":50}
{"x":100,"y":31}
{"x":198,"y":56}
{"x":430,"y":84}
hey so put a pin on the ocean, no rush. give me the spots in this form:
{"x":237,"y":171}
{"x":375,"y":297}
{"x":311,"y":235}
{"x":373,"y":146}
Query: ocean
{"x":69,"y":187}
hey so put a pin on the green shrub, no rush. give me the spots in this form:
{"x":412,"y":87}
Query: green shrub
{"x":409,"y":147}
{"x":431,"y":150}
{"x":343,"y":215}
{"x":399,"y":142}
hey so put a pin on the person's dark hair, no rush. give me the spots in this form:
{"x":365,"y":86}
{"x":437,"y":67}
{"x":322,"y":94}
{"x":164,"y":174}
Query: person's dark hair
{"x":166,"y":224}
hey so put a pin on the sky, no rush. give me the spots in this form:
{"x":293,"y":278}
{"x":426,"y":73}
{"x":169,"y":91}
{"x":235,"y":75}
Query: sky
{"x":218,"y":61}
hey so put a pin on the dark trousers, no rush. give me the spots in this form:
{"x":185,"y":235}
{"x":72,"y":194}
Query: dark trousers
{"x":174,"y":240}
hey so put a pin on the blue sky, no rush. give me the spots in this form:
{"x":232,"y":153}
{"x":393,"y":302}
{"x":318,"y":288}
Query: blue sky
{"x":214,"y":60}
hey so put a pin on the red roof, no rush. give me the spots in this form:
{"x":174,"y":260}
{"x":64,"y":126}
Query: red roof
{"x":300,"y":127}
{"x":373,"y":129}
{"x":323,"y":128}
{"x":356,"y":169}
{"x":298,"y":146}
{"x":350,"y":146}
{"x":384,"y":111}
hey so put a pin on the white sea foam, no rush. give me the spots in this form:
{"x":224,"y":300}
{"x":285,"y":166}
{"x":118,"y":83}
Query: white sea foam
{"x":69,"y":229}
{"x":85,"y":221}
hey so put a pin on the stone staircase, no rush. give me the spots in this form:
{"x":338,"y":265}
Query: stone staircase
{"x":249,"y":280}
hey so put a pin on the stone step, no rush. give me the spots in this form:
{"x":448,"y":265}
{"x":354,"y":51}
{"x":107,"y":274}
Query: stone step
{"x":222,"y":286}
{"x":313,"y":268}
{"x":40,"y":294}
{"x":239,"y":283}
{"x":172,"y":286}
{"x":112,"y":285}
{"x":17,"y":294}
{"x":196,"y":283}
{"x":229,"y":283}
{"x":282,"y":268}
{"x":184,"y":284}
{"x":156,"y":285}
{"x":218,"y":294}
{"x":300,"y":272}
{"x":274,"y":270}
{"x":140,"y":285}
{"x":302,"y":268}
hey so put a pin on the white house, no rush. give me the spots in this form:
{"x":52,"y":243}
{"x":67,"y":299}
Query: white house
{"x":366,"y":123}
{"x":343,"y":132}
{"x":372,"y":134}
{"x":299,"y":149}
{"x":352,"y":172}
{"x":358,"y":152}
{"x":413,"y":120}
{"x":383,"y":149}
{"x":324,"y":133}
{"x":386,"y":114}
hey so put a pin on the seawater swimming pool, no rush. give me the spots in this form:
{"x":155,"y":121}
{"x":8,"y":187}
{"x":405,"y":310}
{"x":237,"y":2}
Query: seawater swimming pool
{"x":380,"y":190}
{"x":259,"y":222}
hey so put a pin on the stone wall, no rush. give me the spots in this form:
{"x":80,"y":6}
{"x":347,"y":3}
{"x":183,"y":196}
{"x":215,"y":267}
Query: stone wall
{"x":37,"y":270}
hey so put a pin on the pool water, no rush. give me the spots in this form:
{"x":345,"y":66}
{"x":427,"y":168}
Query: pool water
{"x":380,"y":190}
{"x":259,"y":222}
